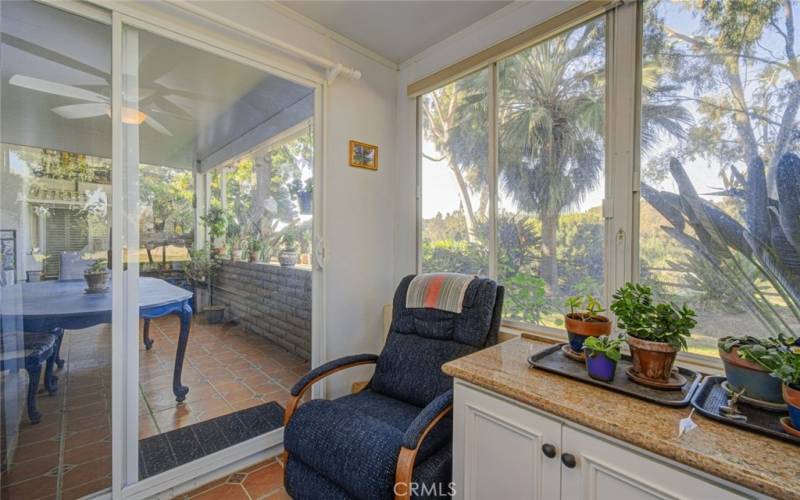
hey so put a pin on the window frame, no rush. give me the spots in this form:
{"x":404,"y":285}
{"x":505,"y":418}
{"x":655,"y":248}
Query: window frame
{"x":620,"y":207}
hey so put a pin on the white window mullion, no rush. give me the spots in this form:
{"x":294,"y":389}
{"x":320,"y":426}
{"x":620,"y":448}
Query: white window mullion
{"x":622,"y":145}
{"x":493,"y":171}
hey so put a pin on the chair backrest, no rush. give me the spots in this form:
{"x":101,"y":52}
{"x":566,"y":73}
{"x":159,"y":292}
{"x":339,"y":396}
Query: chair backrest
{"x":420,"y":341}
{"x":72,"y":266}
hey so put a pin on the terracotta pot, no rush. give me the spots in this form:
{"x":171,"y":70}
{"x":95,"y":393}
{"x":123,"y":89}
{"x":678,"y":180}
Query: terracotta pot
{"x":750,"y":376}
{"x":652,"y":360}
{"x":578,"y":330}
{"x":792,"y":397}
{"x":253,"y":256}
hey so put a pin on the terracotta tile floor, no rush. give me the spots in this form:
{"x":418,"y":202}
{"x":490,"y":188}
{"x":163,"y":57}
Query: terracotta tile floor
{"x":68,"y":454}
{"x":263,"y":480}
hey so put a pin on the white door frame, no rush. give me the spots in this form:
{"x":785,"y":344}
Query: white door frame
{"x":125,"y":483}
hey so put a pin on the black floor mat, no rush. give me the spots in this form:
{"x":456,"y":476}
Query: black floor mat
{"x":171,"y":449}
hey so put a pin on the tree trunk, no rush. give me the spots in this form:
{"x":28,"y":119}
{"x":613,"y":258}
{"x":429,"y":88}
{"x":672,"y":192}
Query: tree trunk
{"x":466,"y":202}
{"x":548,"y":266}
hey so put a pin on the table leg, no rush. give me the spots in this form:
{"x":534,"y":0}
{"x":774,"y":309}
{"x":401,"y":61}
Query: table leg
{"x":183,"y":339}
{"x":50,"y":380}
{"x":34,"y":370}
{"x":59,"y":333}
{"x":148,"y":342}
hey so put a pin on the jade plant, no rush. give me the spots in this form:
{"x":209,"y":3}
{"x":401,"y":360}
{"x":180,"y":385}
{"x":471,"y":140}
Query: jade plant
{"x":641,"y":318}
{"x":603,"y":345}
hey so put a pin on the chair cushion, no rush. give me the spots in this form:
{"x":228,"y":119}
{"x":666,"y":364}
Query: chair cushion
{"x":304,"y":483}
{"x":36,"y":346}
{"x":410,"y":367}
{"x":354,"y":441}
{"x":421,"y":340}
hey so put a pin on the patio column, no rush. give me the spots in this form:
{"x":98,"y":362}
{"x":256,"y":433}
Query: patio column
{"x":201,"y":205}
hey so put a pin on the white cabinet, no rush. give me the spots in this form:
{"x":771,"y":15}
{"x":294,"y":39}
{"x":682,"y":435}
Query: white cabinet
{"x":605,"y":470}
{"x":497,"y":449}
{"x":501,"y":451}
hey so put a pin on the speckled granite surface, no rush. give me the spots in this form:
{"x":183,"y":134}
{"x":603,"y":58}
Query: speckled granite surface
{"x":766,"y":465}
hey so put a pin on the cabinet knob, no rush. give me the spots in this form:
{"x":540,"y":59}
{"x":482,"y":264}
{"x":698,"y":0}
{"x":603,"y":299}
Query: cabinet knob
{"x":568,"y":459}
{"x":549,"y":450}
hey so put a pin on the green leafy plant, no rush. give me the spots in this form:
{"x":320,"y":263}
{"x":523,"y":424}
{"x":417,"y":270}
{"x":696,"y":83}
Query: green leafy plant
{"x":216,"y":222}
{"x":289,"y":243}
{"x":764,"y":352}
{"x":97,"y":267}
{"x":640,"y":318}
{"x":603,"y":345}
{"x":786,"y":366}
{"x":591,"y":308}
{"x":255,"y":245}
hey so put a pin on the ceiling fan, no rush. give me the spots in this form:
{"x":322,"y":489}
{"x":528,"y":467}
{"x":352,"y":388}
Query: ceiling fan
{"x":96,"y":105}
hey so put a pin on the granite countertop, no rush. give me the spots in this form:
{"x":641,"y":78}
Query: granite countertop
{"x":765,"y":465}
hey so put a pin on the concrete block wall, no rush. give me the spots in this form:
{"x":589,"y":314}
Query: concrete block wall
{"x":268,"y":300}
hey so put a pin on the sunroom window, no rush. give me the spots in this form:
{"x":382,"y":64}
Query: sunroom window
{"x":719,"y":213}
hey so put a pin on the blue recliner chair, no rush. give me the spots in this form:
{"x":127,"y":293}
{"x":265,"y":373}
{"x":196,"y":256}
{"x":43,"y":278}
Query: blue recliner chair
{"x":395,"y":435}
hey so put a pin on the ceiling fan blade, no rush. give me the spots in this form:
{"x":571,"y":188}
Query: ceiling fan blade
{"x":85,"y":110}
{"x":48,"y":87}
{"x":156,"y":126}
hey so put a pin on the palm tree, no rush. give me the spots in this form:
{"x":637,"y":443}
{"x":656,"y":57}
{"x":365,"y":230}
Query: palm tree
{"x":550,"y":120}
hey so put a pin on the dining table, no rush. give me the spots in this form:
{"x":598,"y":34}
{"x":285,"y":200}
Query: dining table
{"x":55,"y":306}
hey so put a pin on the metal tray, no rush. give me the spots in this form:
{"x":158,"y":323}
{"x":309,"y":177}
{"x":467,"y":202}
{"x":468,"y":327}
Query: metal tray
{"x":711,"y":395}
{"x":553,"y":360}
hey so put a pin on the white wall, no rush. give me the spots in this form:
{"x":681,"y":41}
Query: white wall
{"x":501,"y":25}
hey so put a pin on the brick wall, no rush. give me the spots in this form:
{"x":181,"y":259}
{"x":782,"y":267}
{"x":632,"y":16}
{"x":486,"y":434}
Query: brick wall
{"x":268,"y":300}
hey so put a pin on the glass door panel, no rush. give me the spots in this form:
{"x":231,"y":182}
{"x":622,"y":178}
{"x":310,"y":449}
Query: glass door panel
{"x":55,"y":227}
{"x":218,"y":157}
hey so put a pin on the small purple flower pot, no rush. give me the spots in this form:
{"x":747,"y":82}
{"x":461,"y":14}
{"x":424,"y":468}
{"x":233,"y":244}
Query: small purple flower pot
{"x":600,"y":367}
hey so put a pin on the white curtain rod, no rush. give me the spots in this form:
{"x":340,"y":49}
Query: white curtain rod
{"x":334,"y":69}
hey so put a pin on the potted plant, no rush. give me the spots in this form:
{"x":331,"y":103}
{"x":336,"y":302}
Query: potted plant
{"x":655,"y":332}
{"x":216,"y":223}
{"x":748,"y":362}
{"x":786,"y":368}
{"x":199,"y":271}
{"x":581,"y":324}
{"x":255,"y":248}
{"x":602,"y":355}
{"x":96,"y":276}
{"x":305,"y":197}
{"x":237,"y":244}
{"x":288,"y":256}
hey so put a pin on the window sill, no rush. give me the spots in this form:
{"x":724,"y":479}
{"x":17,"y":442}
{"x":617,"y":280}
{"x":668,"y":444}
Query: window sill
{"x":509,"y":330}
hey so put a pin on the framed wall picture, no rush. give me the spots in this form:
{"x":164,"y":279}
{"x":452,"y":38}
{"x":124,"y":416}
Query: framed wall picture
{"x":8,"y":249}
{"x":363,"y":155}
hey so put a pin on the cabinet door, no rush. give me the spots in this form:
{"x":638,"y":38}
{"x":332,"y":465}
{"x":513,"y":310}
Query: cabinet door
{"x":497,"y":449}
{"x":605,"y":470}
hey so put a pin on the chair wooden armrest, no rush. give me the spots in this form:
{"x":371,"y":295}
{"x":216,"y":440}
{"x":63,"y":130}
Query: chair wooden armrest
{"x":412,"y":441}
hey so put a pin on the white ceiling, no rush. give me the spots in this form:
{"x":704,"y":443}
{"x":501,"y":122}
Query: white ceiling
{"x":396,"y":29}
{"x":207,"y":102}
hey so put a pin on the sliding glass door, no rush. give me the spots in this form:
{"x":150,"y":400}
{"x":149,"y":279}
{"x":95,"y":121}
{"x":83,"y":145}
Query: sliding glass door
{"x":218,"y":167}
{"x":156,"y":209}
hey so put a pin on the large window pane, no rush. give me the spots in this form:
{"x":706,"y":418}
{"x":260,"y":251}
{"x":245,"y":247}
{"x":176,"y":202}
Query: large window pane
{"x":720,"y":179}
{"x":455,"y":177}
{"x":551,"y":173}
